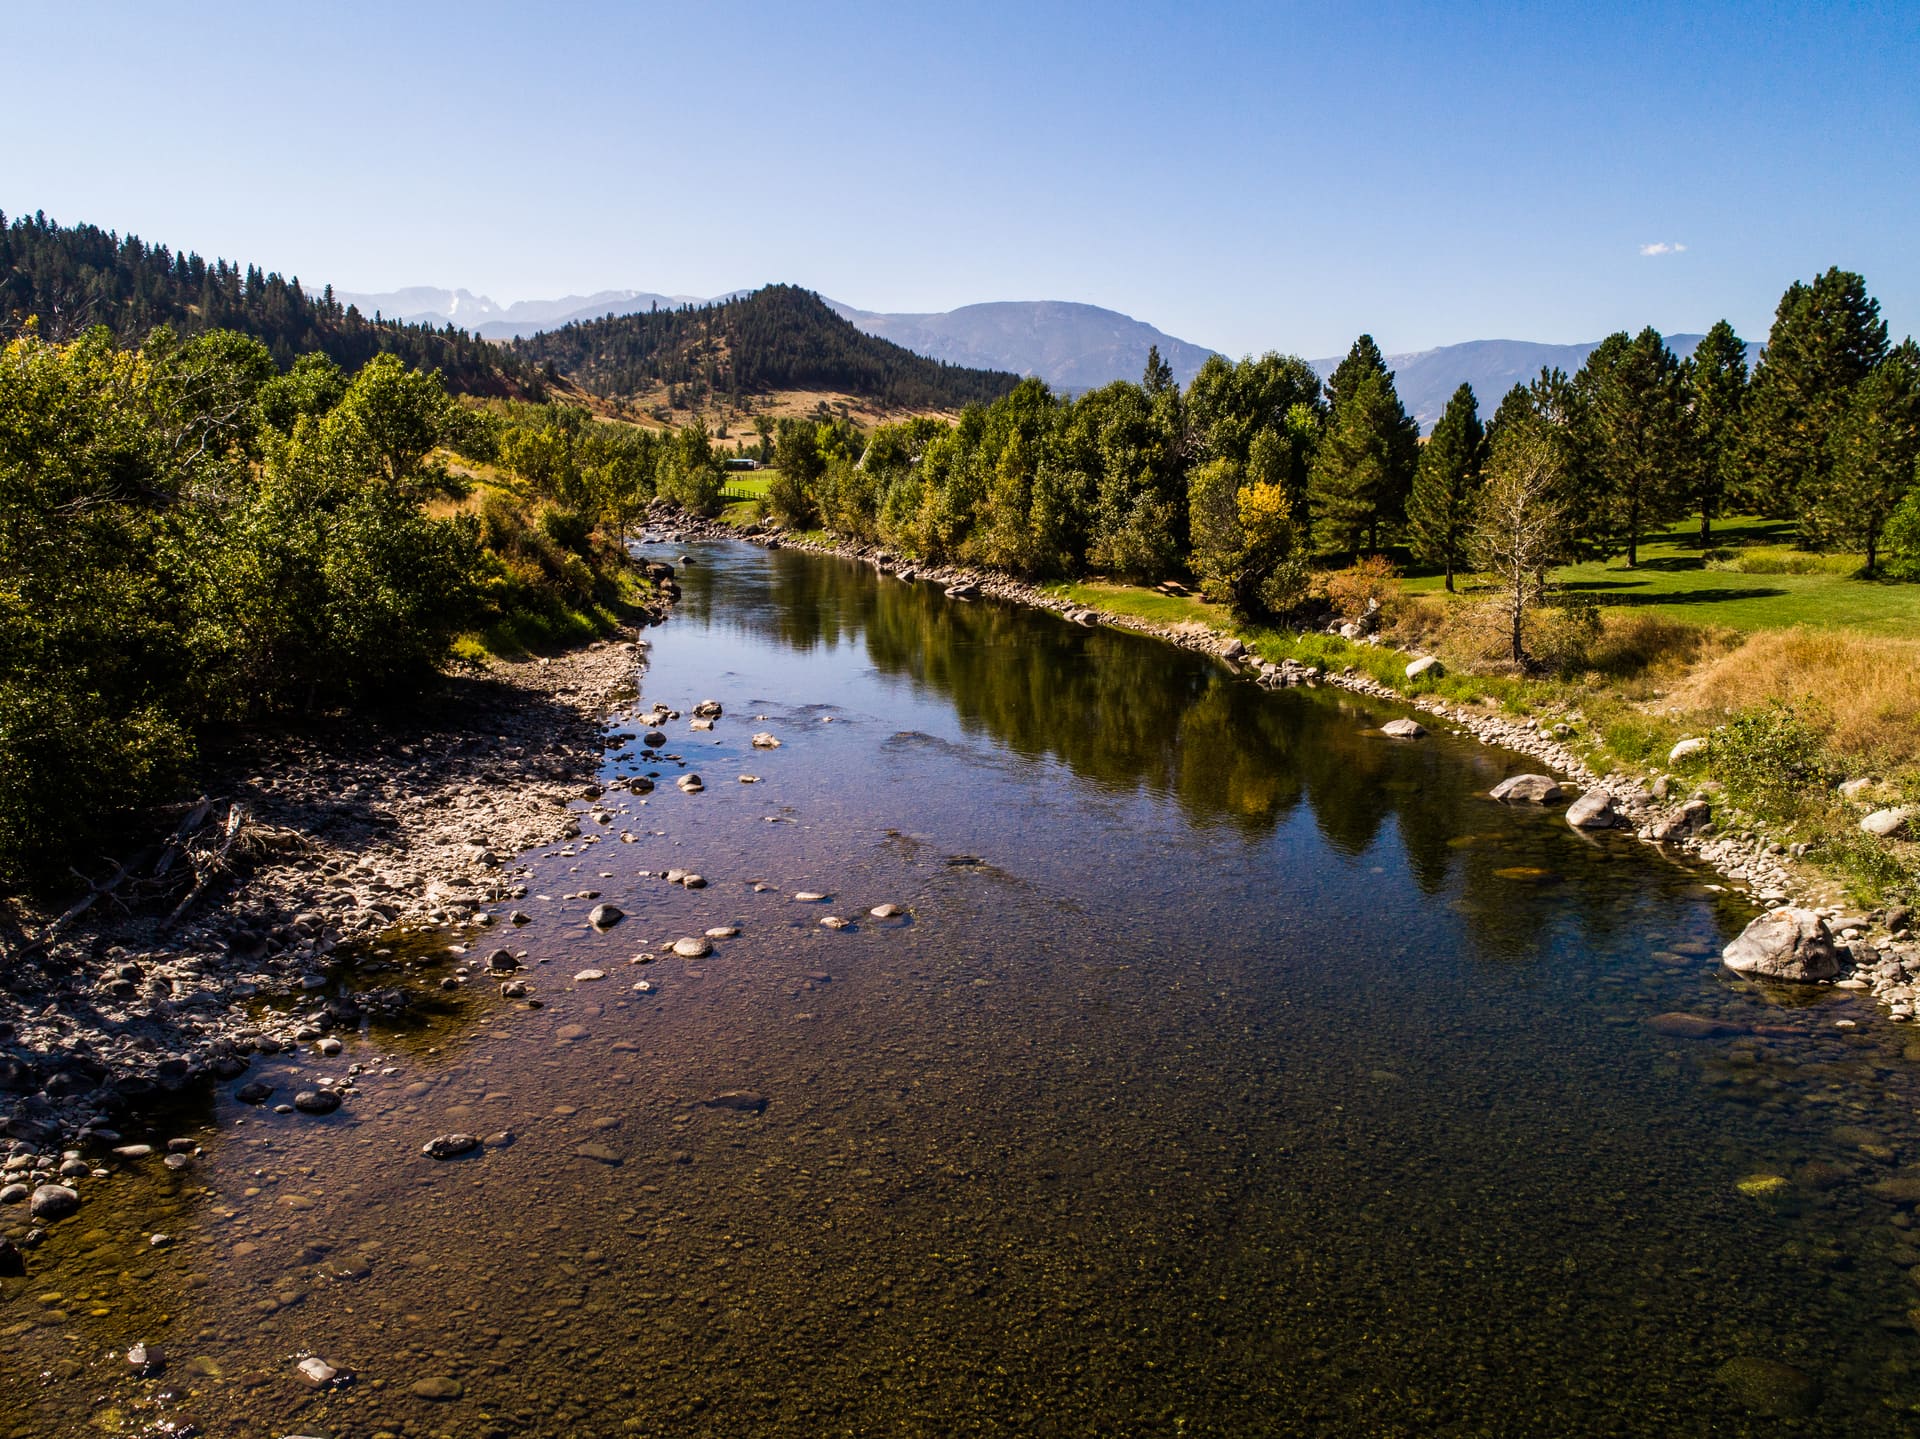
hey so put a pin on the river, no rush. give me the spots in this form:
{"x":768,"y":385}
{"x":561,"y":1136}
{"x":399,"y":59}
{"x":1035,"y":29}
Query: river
{"x":1232,"y":1070}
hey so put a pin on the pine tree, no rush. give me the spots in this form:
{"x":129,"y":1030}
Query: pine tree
{"x":1827,"y":337}
{"x":1872,"y":448}
{"x":1635,"y":423}
{"x":1366,"y":458}
{"x":1716,"y":380}
{"x":1440,"y":509}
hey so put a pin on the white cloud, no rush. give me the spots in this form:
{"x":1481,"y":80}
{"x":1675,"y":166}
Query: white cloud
{"x":1663,"y":247}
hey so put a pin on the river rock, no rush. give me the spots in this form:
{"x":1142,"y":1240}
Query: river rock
{"x":13,"y":1264}
{"x":1527,"y":789}
{"x":1693,"y":1026}
{"x":1426,"y":665}
{"x":740,"y":1101}
{"x":450,"y":1146}
{"x":1593,"y":810}
{"x":1886,"y":823}
{"x":965,"y":590}
{"x":316,"y":1371}
{"x":146,"y":1360}
{"x":885,"y":911}
{"x":255,"y":1092}
{"x":809,"y":896}
{"x":605,"y":916}
{"x":763,"y":740}
{"x":502,"y":961}
{"x":53,"y":1201}
{"x":438,"y":1388}
{"x":1788,"y":944}
{"x":316,"y":1101}
{"x":832,"y":921}
{"x":14,"y":1193}
{"x":708,"y":710}
{"x":598,"y":1153}
{"x":588,"y":976}
{"x":1770,"y":1387}
{"x":693,"y":947}
{"x":1686,"y":750}
{"x":724,"y":931}
{"x":1403,"y":729}
{"x":690,"y":784}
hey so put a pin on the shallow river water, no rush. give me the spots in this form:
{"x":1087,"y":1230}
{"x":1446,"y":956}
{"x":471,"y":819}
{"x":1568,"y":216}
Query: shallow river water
{"x":1234,"y":1070}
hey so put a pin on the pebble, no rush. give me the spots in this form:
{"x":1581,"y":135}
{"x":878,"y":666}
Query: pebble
{"x":885,"y":911}
{"x":763,"y":740}
{"x":587,"y":976}
{"x":316,"y":1101}
{"x":599,"y":1153}
{"x":724,"y":931}
{"x":330,"y":1047}
{"x":254,"y":1092}
{"x":450,"y":1146}
{"x":502,"y":961}
{"x":146,"y":1360}
{"x":316,"y":1371}
{"x":809,"y":896}
{"x":832,"y":921}
{"x":690,"y":784}
{"x":605,"y":916}
{"x":693,"y":947}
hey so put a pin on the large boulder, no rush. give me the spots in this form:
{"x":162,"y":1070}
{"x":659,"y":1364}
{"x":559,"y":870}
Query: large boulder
{"x":1686,"y":750}
{"x":1593,"y":810}
{"x":1788,"y":944}
{"x":1528,"y":789}
{"x":1426,"y":665}
{"x":1403,"y":729}
{"x":1886,"y":823}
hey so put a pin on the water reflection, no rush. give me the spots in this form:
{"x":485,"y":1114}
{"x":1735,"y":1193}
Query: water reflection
{"x":1262,"y":1077}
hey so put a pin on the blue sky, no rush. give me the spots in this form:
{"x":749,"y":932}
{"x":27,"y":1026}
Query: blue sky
{"x":1248,"y":177}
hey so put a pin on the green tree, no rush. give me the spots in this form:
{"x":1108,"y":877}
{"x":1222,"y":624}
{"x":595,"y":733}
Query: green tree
{"x":1872,"y":448}
{"x":1716,"y":383}
{"x":1636,"y":429}
{"x":1364,"y":466}
{"x":400,"y":415}
{"x":1827,"y":337}
{"x":1440,"y":509}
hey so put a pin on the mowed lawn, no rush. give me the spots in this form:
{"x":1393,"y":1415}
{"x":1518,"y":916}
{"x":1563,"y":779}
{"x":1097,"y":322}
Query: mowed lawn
{"x":1748,"y":590}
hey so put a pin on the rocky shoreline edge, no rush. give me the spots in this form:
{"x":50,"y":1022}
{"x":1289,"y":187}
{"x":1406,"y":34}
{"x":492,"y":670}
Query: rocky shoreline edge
{"x":307,"y":840}
{"x":1826,"y":942}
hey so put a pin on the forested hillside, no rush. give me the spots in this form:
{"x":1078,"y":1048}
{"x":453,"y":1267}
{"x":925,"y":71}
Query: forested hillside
{"x":71,"y":278}
{"x":777,"y":338}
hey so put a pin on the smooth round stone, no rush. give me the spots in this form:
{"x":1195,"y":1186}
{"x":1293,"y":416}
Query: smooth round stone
{"x":587,"y":976}
{"x":254,"y":1092}
{"x":810,"y":896}
{"x":330,"y":1047}
{"x":832,"y":921}
{"x":885,"y":911}
{"x":605,"y":916}
{"x":133,"y":1151}
{"x":53,"y":1201}
{"x":437,"y":1388}
{"x":693,"y":947}
{"x":724,"y":931}
{"x":14,"y":1193}
{"x":695,"y":881}
{"x":316,"y":1101}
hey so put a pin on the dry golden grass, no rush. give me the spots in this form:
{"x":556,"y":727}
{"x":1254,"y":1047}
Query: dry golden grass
{"x":1864,"y":690}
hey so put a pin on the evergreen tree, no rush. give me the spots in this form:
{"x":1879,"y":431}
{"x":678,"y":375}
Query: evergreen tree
{"x":1872,"y":448}
{"x":1366,"y":458}
{"x":1635,"y":423}
{"x":1716,"y":381}
{"x":1827,"y":337}
{"x":1440,"y":509}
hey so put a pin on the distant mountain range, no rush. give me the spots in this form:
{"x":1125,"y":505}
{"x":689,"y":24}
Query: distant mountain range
{"x":1072,"y":347}
{"x":1426,"y":379}
{"x":424,"y":304}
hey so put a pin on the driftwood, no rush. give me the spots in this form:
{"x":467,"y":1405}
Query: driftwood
{"x":208,"y":863}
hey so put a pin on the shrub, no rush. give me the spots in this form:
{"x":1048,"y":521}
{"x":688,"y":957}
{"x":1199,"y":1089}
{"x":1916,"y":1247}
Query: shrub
{"x":569,"y":529}
{"x":1770,"y":757}
{"x":1373,"y":579}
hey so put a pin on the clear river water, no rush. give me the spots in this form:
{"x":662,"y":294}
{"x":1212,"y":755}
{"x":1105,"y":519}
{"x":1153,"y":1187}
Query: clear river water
{"x":1232,"y":1070}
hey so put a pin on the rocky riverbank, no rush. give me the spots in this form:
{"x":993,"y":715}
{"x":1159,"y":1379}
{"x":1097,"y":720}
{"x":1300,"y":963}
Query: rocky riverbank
{"x":215,"y":945}
{"x":1877,"y":948}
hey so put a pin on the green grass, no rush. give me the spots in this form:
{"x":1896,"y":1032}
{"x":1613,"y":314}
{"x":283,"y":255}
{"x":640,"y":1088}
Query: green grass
{"x":746,"y":486}
{"x":1741,"y":591}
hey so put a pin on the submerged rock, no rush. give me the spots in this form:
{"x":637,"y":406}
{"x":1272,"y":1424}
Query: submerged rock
{"x":1693,"y":1026}
{"x":605,"y":916}
{"x":741,"y":1101}
{"x":316,"y":1101}
{"x":1403,"y":729}
{"x":1769,"y":1386}
{"x":1528,"y":789}
{"x":450,"y":1146}
{"x":1788,"y":944}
